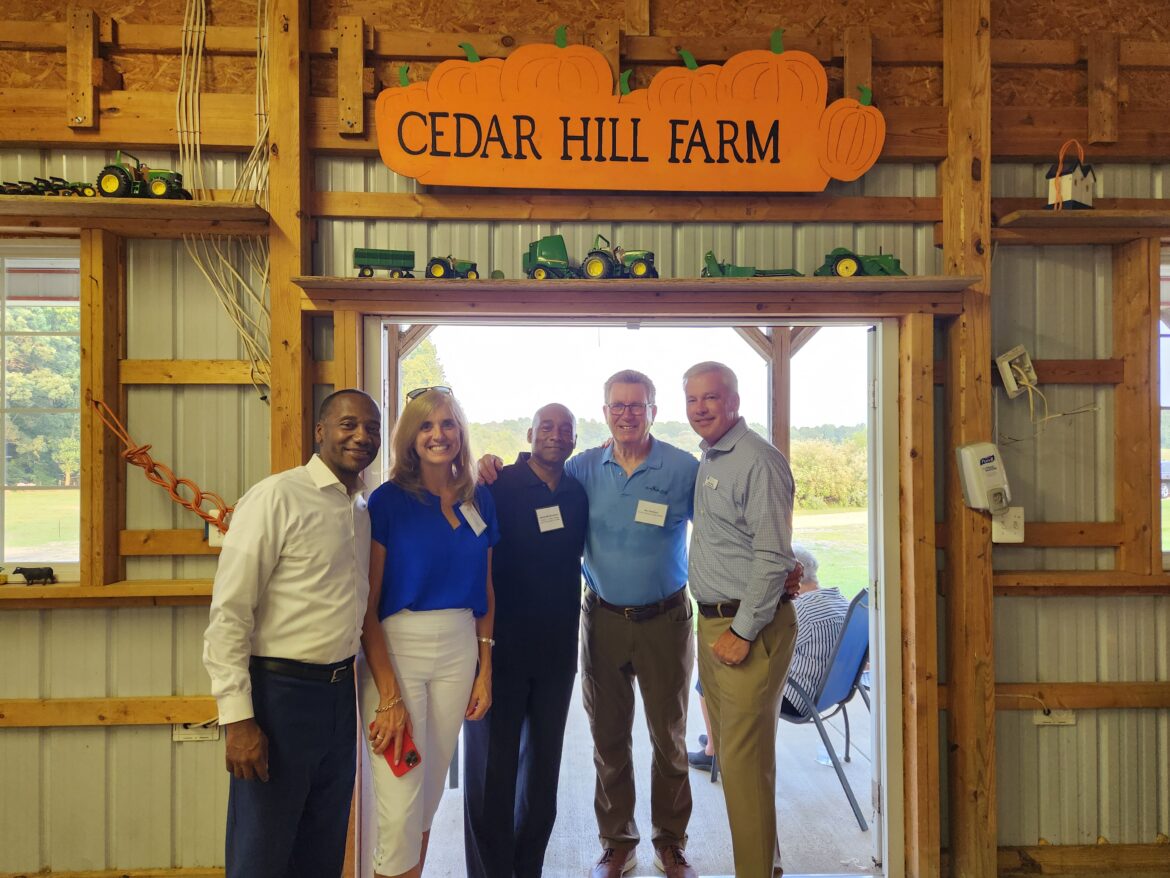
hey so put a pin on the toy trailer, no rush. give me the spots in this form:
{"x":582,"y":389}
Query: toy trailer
{"x":712,"y":267}
{"x":548,"y":257}
{"x":843,"y":262}
{"x":400,"y":263}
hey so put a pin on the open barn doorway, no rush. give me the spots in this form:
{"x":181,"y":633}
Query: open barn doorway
{"x":828,"y":402}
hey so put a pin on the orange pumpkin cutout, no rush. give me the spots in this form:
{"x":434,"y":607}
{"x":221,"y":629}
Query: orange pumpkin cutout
{"x":473,"y":78}
{"x":682,"y":88}
{"x":851,"y":136}
{"x":637,"y":97}
{"x":791,"y":80}
{"x":569,"y":72}
{"x":397,"y":108}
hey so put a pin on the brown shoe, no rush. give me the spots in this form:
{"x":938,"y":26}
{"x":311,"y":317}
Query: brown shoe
{"x":672,"y":861}
{"x":615,"y":863}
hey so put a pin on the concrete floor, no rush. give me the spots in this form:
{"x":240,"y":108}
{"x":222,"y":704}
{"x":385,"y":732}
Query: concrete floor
{"x":818,"y":833}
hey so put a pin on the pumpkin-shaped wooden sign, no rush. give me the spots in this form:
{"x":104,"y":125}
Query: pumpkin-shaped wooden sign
{"x":547,"y":117}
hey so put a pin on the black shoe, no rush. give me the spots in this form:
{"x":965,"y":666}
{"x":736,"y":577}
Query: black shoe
{"x":700,"y":760}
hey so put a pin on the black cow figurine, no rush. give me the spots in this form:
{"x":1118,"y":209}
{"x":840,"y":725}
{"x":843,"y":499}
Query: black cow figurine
{"x":36,"y":575}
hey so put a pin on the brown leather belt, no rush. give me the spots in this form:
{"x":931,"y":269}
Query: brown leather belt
{"x":645,"y":612}
{"x":722,"y":610}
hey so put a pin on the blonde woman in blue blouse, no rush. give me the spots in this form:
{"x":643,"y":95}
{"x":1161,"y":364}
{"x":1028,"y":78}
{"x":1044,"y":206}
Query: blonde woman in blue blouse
{"x":427,"y":634}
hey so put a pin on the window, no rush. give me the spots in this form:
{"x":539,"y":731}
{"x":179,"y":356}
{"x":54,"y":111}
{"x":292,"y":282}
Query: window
{"x":40,"y":386}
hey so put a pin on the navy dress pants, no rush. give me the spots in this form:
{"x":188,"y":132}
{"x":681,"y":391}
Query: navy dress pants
{"x":511,"y":766}
{"x":294,"y":826}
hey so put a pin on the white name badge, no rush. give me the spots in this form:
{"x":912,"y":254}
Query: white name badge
{"x":549,"y":518}
{"x":471,"y":514}
{"x":651,"y":513}
{"x":711,"y":482}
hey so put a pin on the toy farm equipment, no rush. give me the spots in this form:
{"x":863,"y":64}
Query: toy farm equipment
{"x":133,"y":179}
{"x":712,"y":267}
{"x":842,"y":262}
{"x":400,"y":263}
{"x":549,"y":257}
{"x":51,"y":186}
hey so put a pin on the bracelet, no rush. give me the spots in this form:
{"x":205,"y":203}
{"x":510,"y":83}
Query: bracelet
{"x":394,"y":702}
{"x":486,"y":640}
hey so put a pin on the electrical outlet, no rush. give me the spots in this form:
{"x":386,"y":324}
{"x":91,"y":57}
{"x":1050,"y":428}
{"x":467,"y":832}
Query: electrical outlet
{"x":1054,"y":718}
{"x":195,"y":731}
{"x":214,"y":537}
{"x":1015,"y":366}
{"x":1008,"y":526}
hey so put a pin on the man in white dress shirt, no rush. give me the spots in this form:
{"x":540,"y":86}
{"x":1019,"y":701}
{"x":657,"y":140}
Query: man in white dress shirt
{"x":286,"y":615}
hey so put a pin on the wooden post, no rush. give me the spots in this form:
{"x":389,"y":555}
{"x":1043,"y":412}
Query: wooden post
{"x":919,"y":606}
{"x":780,"y":373}
{"x":967,"y":251}
{"x":288,"y":239}
{"x":351,"y":44}
{"x":81,"y":47}
{"x":858,"y":60}
{"x":1136,"y":413}
{"x":347,"y":349}
{"x":1104,"y":63}
{"x":637,"y":17}
{"x":103,"y":470}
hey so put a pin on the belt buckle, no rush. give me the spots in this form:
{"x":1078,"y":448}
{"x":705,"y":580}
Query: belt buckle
{"x":722,"y":605}
{"x":337,"y":672}
{"x":635,"y":614}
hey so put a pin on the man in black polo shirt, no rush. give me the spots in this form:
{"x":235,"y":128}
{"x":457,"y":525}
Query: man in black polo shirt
{"x":512,"y":758}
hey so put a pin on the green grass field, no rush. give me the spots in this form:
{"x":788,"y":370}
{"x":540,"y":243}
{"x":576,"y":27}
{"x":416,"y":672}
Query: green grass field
{"x":45,"y":525}
{"x":840,"y":542}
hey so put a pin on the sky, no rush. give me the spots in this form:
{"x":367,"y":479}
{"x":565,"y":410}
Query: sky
{"x":501,"y":372}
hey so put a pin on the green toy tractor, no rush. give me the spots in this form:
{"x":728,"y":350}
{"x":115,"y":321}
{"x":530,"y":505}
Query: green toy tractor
{"x":605,"y":260}
{"x":133,"y":179}
{"x":449,"y":266}
{"x":842,"y":262}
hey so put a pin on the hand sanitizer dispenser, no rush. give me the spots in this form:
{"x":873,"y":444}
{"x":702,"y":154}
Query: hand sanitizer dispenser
{"x":985,"y":484}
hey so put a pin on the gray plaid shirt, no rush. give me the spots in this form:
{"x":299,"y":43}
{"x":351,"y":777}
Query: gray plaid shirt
{"x":741,"y":546}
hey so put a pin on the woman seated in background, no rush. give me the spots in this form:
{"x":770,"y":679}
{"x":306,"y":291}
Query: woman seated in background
{"x":429,"y":620}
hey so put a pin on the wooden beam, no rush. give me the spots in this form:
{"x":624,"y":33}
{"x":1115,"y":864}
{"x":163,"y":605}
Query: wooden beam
{"x":1104,"y":62}
{"x":289,"y":166}
{"x":757,"y":340}
{"x":185,"y":372}
{"x":1034,"y":133}
{"x":664,"y":207}
{"x":351,"y":45}
{"x":920,"y":766}
{"x":1154,"y":695}
{"x":165,"y":542}
{"x":966,"y":197}
{"x":858,"y":66}
{"x":780,"y":375}
{"x":393,"y":365}
{"x":102,"y":471}
{"x":136,"y":593}
{"x":1060,"y":534}
{"x":1136,"y":286}
{"x":347,"y":349}
{"x":1061,"y":372}
{"x":801,"y":335}
{"x":80,"y":54}
{"x":636,"y":18}
{"x":1066,"y":583}
{"x":26,"y":713}
{"x":1088,"y":859}
{"x":608,"y":41}
{"x":411,"y":338}
{"x":130,"y":217}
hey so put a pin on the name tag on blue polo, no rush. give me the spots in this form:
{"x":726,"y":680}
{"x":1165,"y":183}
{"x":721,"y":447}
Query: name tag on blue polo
{"x":474,"y":521}
{"x":549,"y":518}
{"x":651,"y":513}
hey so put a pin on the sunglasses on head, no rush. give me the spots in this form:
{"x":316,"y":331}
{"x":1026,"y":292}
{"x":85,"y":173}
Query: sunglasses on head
{"x":419,"y":391}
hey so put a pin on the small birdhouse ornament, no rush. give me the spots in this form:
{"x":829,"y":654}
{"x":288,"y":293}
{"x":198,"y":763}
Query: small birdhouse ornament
{"x":1070,"y":180}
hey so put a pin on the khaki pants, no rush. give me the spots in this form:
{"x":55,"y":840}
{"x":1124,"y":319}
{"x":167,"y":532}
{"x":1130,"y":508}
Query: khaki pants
{"x":743,"y":702}
{"x":660,"y":653}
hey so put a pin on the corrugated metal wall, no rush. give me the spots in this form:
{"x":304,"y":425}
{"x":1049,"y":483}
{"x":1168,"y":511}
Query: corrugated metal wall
{"x":95,"y":798}
{"x":1108,"y":776}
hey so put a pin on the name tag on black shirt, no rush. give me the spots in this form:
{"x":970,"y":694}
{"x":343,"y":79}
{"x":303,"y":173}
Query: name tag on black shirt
{"x":549,"y":518}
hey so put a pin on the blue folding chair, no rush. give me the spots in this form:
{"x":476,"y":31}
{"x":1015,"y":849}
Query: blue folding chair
{"x":841,"y":681}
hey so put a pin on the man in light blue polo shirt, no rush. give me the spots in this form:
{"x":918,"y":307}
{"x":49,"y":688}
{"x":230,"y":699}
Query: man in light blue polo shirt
{"x":636,"y":622}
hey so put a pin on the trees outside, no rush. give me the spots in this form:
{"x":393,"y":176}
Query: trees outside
{"x":422,"y":368}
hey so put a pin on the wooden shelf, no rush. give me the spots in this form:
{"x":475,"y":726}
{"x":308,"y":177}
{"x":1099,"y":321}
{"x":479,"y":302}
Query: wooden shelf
{"x":131,"y":217}
{"x":755,"y":299}
{"x":1096,"y":226}
{"x":134,"y":593}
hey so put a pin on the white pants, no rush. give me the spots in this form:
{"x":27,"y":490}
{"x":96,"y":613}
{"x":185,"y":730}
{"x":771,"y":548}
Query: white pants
{"x":434,"y":654}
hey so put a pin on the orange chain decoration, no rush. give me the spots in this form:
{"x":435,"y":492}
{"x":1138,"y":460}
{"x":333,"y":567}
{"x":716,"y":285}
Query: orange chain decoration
{"x":139,"y":455}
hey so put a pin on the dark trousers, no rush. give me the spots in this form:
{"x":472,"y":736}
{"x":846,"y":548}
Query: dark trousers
{"x":294,"y":826}
{"x":511,"y":765}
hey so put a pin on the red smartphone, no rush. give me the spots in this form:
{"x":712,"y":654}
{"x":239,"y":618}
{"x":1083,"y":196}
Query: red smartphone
{"x":410,"y":756}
